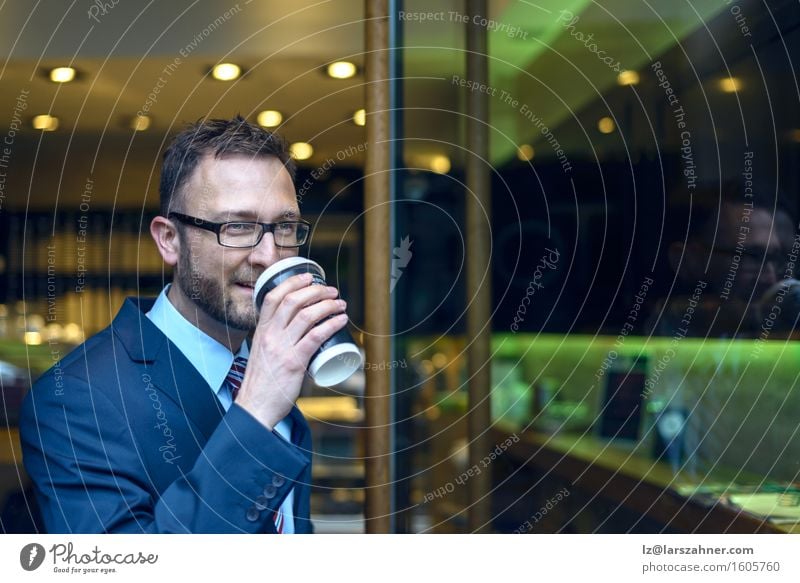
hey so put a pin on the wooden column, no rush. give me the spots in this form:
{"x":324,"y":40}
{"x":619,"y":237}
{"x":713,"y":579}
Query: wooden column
{"x":377,"y":263}
{"x":479,"y":325}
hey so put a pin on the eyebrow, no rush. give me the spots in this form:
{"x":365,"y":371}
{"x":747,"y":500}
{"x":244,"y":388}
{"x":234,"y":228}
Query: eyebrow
{"x":285,"y":215}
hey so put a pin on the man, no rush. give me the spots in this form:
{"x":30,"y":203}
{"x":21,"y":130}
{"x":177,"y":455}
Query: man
{"x":154,"y":424}
{"x":727,"y":265}
{"x":731,"y":255}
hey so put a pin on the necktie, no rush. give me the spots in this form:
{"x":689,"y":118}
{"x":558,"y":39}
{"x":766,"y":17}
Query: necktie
{"x":235,"y":376}
{"x":234,"y":382}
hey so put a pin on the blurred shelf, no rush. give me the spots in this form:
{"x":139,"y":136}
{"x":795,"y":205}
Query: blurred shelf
{"x":344,"y":471}
{"x":338,"y":523}
{"x":341,"y":409}
{"x":635,"y":481}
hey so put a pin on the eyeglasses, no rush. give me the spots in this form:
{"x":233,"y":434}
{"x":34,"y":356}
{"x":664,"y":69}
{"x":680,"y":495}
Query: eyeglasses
{"x":754,"y":256}
{"x":241,"y":234}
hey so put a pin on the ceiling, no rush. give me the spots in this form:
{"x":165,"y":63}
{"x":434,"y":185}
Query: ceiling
{"x":138,"y":48}
{"x":128,"y":49}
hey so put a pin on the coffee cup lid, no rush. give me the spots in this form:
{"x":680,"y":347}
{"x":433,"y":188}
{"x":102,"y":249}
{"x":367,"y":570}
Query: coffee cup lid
{"x":287,"y":263}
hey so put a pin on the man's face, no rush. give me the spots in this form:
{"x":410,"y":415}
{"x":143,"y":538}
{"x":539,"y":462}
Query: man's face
{"x":219,"y":280}
{"x":754,"y":245}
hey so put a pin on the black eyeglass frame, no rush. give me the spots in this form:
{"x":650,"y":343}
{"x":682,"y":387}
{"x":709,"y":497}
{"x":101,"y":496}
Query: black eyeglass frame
{"x":217,"y":228}
{"x":760,"y":255}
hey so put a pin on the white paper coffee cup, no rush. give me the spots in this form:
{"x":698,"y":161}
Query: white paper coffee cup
{"x":338,"y":357}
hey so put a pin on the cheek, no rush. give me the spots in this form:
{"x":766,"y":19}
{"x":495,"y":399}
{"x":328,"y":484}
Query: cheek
{"x":229,"y":264}
{"x":200,"y":248}
{"x":209,"y":263}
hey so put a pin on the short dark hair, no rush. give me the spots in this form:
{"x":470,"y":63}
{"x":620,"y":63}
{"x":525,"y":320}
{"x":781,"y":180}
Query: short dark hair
{"x":219,"y":137}
{"x":710,"y":204}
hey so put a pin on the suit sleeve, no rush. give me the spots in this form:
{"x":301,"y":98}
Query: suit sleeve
{"x":90,"y":478}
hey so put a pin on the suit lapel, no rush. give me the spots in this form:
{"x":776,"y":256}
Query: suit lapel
{"x":169,"y":369}
{"x":180,"y":381}
{"x":172,"y":373}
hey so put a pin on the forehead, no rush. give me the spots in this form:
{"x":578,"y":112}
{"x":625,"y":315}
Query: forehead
{"x":755,"y":227}
{"x":241,"y":184}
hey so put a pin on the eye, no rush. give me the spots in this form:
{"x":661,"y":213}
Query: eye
{"x":285,"y":228}
{"x":240,"y":228}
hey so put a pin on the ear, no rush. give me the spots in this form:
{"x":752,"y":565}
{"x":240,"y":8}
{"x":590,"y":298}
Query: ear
{"x":165,"y":234}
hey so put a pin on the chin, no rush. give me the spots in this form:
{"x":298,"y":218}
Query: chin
{"x":239,"y":323}
{"x":240,"y":315}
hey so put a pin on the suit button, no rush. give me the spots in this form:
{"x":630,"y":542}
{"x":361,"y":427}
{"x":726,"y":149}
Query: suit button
{"x":252,"y":514}
{"x":270,"y":491}
{"x":278,"y":481}
{"x":261,"y":503}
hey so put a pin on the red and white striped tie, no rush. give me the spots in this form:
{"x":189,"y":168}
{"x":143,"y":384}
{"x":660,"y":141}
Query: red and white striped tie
{"x":234,"y":382}
{"x":235,"y":376}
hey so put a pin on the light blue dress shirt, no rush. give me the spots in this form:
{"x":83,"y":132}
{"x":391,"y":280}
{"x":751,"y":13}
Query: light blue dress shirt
{"x":213,"y":361}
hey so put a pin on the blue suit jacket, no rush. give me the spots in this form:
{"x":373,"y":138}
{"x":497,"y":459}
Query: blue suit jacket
{"x":124,"y":435}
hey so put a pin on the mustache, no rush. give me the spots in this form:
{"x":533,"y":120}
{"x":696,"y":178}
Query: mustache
{"x":246,"y":277}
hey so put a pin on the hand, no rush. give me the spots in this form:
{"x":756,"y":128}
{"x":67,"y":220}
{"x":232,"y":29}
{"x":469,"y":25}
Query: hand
{"x":285,"y":339}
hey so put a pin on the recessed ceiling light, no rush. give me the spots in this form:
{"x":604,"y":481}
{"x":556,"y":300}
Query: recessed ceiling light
{"x":270,"y":118}
{"x":628,"y":78}
{"x":525,"y":152}
{"x":360,"y":117}
{"x":341,"y":70}
{"x":301,"y":150}
{"x":439,"y":164}
{"x":140,"y":123}
{"x":730,"y":84}
{"x":606,"y":125}
{"x":226,"y":72}
{"x":62,"y":74}
{"x":45,"y":122}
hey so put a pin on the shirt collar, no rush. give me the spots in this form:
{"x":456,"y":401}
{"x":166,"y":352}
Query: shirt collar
{"x":211,"y":359}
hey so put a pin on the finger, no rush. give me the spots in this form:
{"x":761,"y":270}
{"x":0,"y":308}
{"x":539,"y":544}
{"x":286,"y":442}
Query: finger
{"x":309,"y":316}
{"x":297,"y":300}
{"x":314,"y":338}
{"x":274,"y":298}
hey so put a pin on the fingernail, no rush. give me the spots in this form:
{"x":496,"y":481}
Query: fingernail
{"x":342,"y":304}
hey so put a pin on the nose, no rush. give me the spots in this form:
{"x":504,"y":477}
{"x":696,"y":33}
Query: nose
{"x":265,"y":253}
{"x":769,"y":274}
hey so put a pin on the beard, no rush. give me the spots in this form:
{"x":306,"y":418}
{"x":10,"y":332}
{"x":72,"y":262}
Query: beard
{"x":209,"y":295}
